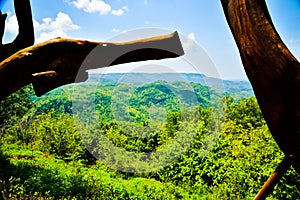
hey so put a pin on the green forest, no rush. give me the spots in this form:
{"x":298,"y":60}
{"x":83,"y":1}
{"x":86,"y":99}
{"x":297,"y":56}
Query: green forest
{"x":214,"y":144}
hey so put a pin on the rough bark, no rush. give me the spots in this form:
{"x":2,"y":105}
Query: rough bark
{"x":272,"y":70}
{"x":25,"y":36}
{"x":57,"y":62}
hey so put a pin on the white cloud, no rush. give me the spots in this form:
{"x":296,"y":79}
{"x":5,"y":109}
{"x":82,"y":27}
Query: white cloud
{"x":114,"y":30}
{"x":48,"y":29}
{"x":61,"y":22}
{"x":189,"y":41}
{"x":118,"y":12}
{"x":125,"y":8}
{"x":192,"y":36}
{"x":93,"y":6}
{"x":98,"y":6}
{"x":11,"y":24}
{"x":50,"y":35}
{"x":52,"y":28}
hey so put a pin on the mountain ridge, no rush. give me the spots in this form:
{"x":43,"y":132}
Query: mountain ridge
{"x":242,"y":88}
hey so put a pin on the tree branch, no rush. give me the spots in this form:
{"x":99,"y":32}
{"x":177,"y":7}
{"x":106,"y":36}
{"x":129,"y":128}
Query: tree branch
{"x":272,"y":70}
{"x":57,"y":62}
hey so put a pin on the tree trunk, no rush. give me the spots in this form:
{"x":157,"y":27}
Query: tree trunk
{"x":272,"y":70}
{"x":25,"y":36}
{"x":57,"y":62}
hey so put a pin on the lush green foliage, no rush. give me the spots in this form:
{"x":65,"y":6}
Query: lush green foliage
{"x":35,"y":175}
{"x":43,"y":154}
{"x":14,"y":107}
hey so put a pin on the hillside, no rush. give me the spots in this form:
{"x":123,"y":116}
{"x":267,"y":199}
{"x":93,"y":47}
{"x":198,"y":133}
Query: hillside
{"x":182,"y":145}
{"x":141,"y":91}
{"x":44,"y":153}
{"x":236,"y":88}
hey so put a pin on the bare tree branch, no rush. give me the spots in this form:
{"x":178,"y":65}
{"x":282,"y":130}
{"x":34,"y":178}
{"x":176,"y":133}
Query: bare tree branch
{"x":272,"y":70}
{"x":57,"y":62}
{"x":25,"y":36}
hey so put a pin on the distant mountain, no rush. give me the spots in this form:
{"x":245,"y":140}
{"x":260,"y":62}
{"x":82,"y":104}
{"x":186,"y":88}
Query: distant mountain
{"x":141,"y":92}
{"x":237,"y":89}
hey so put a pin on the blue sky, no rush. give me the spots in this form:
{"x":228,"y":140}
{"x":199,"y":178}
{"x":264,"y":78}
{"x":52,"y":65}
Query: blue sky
{"x":200,"y":20}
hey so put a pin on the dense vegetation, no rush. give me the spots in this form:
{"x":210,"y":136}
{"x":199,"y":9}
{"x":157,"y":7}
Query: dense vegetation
{"x":43,"y":150}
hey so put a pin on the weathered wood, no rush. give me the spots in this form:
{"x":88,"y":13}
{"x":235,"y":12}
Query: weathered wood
{"x":272,"y":70}
{"x":57,"y":62}
{"x":25,"y":36}
{"x":273,"y":179}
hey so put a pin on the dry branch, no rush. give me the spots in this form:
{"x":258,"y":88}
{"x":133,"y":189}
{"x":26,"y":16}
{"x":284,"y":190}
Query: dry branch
{"x":57,"y":62}
{"x":272,"y":70}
